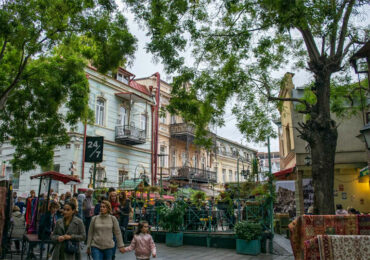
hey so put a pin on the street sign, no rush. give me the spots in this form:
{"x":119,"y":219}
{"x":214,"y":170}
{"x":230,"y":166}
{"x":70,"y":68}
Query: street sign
{"x":94,"y":149}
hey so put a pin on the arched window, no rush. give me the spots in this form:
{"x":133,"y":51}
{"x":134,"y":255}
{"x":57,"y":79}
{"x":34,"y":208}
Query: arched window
{"x":100,"y":111}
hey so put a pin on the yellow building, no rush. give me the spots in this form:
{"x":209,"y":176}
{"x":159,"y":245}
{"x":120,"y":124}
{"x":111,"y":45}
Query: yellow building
{"x":190,"y":165}
{"x":351,"y":155}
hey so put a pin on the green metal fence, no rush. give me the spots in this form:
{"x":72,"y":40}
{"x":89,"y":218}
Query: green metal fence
{"x":211,"y":218}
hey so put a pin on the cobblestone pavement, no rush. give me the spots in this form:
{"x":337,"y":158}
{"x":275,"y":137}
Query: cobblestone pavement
{"x":281,"y":252}
{"x":202,"y":253}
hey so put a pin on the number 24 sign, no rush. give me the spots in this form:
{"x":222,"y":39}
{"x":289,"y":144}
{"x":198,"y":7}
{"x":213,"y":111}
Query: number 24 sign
{"x":94,"y":149}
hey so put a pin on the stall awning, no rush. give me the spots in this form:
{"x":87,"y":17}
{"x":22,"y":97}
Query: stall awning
{"x":132,"y":184}
{"x":56,"y":176}
{"x":364,"y":171}
{"x":284,"y":172}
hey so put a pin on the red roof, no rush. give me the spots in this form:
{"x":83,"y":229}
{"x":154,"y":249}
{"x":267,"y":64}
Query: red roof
{"x":284,"y":172}
{"x":139,"y":87}
{"x":56,"y":176}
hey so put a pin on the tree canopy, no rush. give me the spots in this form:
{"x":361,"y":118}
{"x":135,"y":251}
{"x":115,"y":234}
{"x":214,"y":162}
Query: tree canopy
{"x":237,"y":46}
{"x":44,"y":49}
{"x":238,"y":50}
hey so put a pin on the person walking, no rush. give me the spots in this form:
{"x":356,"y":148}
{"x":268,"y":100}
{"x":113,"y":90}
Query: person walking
{"x":18,"y":227}
{"x":142,"y":243}
{"x":114,"y":202}
{"x":88,"y":209}
{"x":100,"y":243}
{"x":125,"y":210}
{"x":48,"y":221}
{"x":68,"y":232}
{"x":31,"y":207}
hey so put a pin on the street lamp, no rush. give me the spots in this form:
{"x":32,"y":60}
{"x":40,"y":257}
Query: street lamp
{"x":365,"y":131}
{"x":162,"y":162}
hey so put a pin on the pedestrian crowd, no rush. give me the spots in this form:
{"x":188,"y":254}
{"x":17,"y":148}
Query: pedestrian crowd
{"x":70,"y":219}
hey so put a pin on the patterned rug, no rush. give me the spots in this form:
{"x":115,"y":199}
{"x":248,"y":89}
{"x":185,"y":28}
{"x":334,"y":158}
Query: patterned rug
{"x":364,"y":224}
{"x":306,"y":227}
{"x":336,"y":247}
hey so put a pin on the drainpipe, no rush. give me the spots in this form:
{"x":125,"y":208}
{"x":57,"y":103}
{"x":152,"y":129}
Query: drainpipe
{"x":151,"y":147}
{"x":83,"y":152}
{"x":157,"y":100}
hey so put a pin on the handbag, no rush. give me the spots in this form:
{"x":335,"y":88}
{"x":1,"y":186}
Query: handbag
{"x":71,"y":247}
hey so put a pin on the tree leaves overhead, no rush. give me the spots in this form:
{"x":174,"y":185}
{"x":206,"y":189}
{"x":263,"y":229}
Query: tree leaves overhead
{"x":237,"y":48}
{"x":44,"y":49}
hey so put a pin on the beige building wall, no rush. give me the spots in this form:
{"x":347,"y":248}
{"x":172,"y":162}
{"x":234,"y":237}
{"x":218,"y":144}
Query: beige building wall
{"x":351,"y":154}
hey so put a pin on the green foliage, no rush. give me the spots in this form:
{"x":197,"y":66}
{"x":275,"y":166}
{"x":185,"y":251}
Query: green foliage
{"x":248,"y":230}
{"x":198,"y":198}
{"x":237,"y":46}
{"x":240,"y":50}
{"x":44,"y":49}
{"x":171,"y":219}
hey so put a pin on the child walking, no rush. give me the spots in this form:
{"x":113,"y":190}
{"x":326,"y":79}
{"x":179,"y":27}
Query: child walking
{"x":142,"y":243}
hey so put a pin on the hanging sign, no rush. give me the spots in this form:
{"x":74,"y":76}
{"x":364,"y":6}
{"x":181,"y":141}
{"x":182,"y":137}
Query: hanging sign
{"x":94,"y":149}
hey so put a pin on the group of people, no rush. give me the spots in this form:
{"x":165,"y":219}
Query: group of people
{"x":70,"y":220}
{"x":341,"y":211}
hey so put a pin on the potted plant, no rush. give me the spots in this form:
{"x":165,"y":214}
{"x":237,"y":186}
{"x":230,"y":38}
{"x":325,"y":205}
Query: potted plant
{"x":248,"y":235}
{"x":173,"y":188}
{"x":197,"y":198}
{"x":171,"y":220}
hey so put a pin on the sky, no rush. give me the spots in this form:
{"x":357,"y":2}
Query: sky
{"x":144,"y":65}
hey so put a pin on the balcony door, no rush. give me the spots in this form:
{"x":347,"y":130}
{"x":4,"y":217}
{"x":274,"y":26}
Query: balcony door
{"x":123,"y":116}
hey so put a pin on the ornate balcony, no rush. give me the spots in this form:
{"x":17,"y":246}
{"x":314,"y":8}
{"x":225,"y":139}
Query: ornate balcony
{"x":182,"y":131}
{"x":194,"y":174}
{"x":185,"y":132}
{"x":130,"y":135}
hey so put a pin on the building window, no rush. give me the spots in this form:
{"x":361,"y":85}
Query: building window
{"x":173,"y":160}
{"x":288,"y":143}
{"x":163,"y":118}
{"x":203,"y":163}
{"x":143,"y":122}
{"x":122,"y":176}
{"x":162,"y":159}
{"x":224,"y":175}
{"x":122,"y":78}
{"x":216,"y":170}
{"x":230,"y":175}
{"x":100,"y":110}
{"x":236,"y":176}
{"x":173,"y":119}
{"x":183,"y":158}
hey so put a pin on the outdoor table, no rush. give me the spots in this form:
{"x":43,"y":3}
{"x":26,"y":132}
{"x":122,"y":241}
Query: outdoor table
{"x":33,"y":240}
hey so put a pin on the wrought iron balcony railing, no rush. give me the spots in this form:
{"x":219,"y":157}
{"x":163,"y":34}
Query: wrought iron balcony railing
{"x":130,"y":135}
{"x":194,"y":174}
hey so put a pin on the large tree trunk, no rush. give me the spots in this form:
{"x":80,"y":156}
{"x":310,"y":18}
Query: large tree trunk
{"x":322,"y":135}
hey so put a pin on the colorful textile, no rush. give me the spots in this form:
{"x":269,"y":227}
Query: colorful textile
{"x":311,"y":249}
{"x":364,"y":225}
{"x":339,"y":247}
{"x":306,"y":227}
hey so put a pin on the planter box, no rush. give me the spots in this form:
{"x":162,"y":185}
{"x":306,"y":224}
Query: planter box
{"x":244,"y":247}
{"x":174,"y":239}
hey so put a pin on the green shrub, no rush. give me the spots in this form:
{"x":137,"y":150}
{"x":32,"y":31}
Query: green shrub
{"x":171,"y":219}
{"x":248,"y":230}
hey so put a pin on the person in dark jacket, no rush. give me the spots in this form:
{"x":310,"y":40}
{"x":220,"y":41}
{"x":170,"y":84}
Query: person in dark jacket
{"x":68,"y":228}
{"x":47,"y":221}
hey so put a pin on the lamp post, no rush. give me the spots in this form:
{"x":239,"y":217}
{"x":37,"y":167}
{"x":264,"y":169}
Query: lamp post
{"x":161,"y":184}
{"x":238,"y":173}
